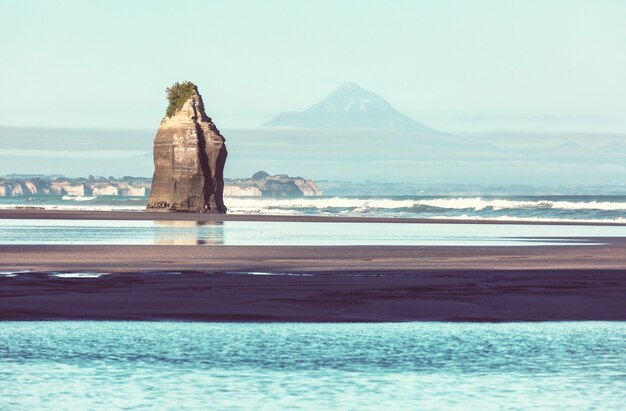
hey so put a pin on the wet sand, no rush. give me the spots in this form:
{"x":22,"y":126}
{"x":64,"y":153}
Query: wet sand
{"x":207,"y":283}
{"x":311,"y":283}
{"x":421,"y":295}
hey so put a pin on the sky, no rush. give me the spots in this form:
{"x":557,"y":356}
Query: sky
{"x":459,"y":66}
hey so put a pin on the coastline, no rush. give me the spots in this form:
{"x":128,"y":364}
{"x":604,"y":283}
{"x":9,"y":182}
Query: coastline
{"x":27,"y":213}
{"x":582,"y":282}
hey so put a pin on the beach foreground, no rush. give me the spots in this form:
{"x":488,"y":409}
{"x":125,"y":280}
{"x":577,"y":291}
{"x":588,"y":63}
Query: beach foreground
{"x":225,"y":283}
{"x":96,"y":365}
{"x":313,"y":283}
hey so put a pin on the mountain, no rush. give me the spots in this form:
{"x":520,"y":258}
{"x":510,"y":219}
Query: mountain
{"x":350,"y":106}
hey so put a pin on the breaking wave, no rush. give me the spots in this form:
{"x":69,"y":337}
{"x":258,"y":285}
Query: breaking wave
{"x":459,"y":203}
{"x":77,"y":198}
{"x":574,"y":208}
{"x":553,"y":208}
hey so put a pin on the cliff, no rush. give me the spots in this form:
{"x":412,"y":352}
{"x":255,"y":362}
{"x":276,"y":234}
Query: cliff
{"x":59,"y":186}
{"x":34,"y":186}
{"x":260,"y":185}
{"x":189,"y":157}
{"x":264,"y":185}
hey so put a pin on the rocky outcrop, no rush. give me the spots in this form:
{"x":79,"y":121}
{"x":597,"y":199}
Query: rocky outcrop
{"x":264,"y":185}
{"x":189,"y":158}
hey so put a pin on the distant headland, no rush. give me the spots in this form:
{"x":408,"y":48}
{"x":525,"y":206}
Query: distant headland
{"x":261,"y":184}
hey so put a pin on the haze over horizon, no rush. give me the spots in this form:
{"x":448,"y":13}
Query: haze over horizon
{"x":459,"y":67}
{"x":487,"y":92}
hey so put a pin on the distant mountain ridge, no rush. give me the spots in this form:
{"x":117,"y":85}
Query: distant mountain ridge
{"x":350,"y":106}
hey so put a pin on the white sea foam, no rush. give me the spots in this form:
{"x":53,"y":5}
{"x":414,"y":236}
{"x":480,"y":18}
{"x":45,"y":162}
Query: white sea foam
{"x":270,"y":274}
{"x":77,"y":275}
{"x":77,"y":198}
{"x":320,"y":203}
{"x":479,"y":203}
{"x":74,"y":207}
{"x":540,"y":209}
{"x":239,"y":204}
{"x":9,"y":273}
{"x":618,"y":220}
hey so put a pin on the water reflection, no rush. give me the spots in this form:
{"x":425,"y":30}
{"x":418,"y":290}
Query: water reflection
{"x":189,"y":233}
{"x":285,"y":233}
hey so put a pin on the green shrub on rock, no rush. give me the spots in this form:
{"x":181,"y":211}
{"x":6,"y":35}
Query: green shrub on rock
{"x":177,"y":94}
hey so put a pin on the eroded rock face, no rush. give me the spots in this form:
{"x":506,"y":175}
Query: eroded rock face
{"x":189,"y":158}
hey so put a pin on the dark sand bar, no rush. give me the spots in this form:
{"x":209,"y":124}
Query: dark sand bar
{"x":310,"y":283}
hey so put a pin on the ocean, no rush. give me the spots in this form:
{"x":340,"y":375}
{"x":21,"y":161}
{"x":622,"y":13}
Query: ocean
{"x":605,"y":209}
{"x":398,"y":366}
{"x":588,"y":208}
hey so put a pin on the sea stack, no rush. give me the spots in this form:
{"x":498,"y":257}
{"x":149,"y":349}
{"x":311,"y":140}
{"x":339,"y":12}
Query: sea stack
{"x":189,"y":157}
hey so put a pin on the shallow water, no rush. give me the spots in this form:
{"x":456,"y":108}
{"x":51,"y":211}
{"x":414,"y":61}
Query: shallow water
{"x":291,"y":233}
{"x":166,"y":365}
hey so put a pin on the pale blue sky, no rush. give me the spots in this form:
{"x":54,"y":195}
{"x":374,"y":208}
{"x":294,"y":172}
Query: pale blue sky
{"x":459,"y":66}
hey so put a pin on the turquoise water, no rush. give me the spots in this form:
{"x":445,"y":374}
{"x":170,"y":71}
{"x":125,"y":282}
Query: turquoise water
{"x":167,"y":365}
{"x":292,"y":233}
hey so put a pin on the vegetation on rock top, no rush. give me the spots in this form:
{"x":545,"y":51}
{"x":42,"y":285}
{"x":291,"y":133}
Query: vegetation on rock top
{"x":177,"y":95}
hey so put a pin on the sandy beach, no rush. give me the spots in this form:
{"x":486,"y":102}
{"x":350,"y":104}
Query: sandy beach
{"x":310,"y":283}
